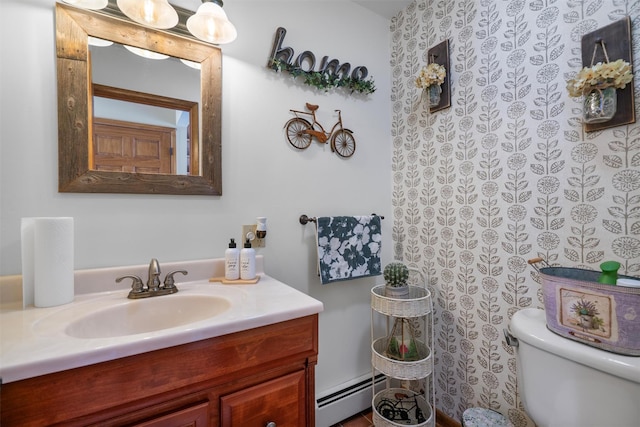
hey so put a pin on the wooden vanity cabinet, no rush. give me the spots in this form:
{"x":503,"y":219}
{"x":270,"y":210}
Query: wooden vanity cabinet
{"x":279,"y":401}
{"x":247,"y":379}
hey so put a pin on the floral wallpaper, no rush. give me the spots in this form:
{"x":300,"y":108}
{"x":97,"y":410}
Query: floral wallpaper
{"x":505,"y":174}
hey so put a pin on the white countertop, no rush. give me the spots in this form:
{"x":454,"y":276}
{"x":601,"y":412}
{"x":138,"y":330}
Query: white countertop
{"x":33,"y":341}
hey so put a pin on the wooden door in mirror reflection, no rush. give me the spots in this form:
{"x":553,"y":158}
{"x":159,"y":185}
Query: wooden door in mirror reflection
{"x":132,"y":147}
{"x":184,"y":146}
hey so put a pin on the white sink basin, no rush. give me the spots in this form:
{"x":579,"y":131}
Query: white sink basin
{"x":147,"y":315}
{"x":105,"y":325}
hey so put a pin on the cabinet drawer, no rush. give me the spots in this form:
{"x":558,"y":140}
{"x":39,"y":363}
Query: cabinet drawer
{"x":194,"y":416}
{"x":280,"y":401}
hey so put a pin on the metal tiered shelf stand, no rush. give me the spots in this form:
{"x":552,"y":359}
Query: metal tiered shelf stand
{"x":395,"y":405}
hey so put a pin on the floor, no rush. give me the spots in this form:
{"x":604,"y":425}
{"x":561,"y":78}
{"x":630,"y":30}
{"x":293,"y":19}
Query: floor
{"x":364,"y":419}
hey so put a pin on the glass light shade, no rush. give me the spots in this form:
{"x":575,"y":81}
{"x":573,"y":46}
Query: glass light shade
{"x":152,"y":13}
{"x":88,"y":4}
{"x":145,"y":53}
{"x":94,"y":41}
{"x":211,"y":24}
{"x":194,"y":65}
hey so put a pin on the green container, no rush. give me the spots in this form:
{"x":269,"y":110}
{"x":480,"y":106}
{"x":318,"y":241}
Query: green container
{"x":609,"y":274}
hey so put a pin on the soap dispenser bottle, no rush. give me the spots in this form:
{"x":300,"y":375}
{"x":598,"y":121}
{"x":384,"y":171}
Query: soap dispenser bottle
{"x":247,"y":262}
{"x":232,"y":262}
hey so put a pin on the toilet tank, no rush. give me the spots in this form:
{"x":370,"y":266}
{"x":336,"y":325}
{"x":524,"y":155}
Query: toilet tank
{"x":563,"y":383}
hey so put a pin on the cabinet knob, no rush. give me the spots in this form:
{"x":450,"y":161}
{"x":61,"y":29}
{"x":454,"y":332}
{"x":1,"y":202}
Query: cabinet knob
{"x":271,"y":424}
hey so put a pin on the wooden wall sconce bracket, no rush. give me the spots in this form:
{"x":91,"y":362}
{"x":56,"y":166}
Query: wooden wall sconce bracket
{"x":439,"y":54}
{"x":610,"y":43}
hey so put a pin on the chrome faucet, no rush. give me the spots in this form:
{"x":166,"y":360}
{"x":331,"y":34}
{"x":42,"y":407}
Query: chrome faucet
{"x":153,"y":287}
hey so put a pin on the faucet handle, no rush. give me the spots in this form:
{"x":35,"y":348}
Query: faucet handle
{"x":169,"y":281}
{"x":137,"y":287}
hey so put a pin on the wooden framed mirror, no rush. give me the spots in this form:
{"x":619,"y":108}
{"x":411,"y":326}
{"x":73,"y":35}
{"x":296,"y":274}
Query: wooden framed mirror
{"x":75,"y":115}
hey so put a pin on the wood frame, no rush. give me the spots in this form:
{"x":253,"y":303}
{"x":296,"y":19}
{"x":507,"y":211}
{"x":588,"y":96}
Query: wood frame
{"x":439,"y":54}
{"x":617,"y":39}
{"x":73,"y":27}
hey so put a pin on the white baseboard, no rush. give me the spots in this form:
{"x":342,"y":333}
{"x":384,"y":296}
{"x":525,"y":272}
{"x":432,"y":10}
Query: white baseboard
{"x":345,"y":400}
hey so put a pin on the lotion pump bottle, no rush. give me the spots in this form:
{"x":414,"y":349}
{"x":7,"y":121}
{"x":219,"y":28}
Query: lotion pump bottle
{"x":232,"y":262}
{"x":247,"y":262}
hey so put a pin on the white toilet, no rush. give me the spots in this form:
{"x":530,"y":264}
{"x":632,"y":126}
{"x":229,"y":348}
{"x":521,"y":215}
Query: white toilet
{"x":563,"y":383}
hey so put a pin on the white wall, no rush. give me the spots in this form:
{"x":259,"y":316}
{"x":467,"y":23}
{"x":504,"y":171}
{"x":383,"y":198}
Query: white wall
{"x":262,"y":175}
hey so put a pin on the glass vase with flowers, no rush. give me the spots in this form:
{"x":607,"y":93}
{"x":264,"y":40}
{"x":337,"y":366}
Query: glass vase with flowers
{"x":430,"y":80}
{"x":598,"y":84}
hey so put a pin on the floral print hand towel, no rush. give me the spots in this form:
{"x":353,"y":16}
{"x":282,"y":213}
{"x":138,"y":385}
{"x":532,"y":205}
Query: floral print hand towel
{"x":348,"y":247}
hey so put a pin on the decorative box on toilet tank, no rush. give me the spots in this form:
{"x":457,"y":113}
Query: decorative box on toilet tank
{"x":600,"y":315}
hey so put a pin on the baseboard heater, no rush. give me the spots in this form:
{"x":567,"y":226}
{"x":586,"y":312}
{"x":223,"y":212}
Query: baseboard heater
{"x":348,"y":399}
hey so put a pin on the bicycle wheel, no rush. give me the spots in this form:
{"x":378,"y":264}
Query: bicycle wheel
{"x":387,"y":410}
{"x":343,"y":143}
{"x":296,"y":135}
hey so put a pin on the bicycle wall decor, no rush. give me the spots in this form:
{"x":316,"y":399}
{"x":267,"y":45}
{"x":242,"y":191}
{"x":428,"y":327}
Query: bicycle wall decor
{"x":300,"y":131}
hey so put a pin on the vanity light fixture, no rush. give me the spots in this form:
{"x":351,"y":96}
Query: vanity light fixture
{"x":210,"y":23}
{"x":88,"y":4}
{"x":151,"y":13}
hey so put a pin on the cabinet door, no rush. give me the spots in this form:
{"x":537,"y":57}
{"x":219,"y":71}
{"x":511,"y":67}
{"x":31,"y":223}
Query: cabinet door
{"x":280,"y":401}
{"x":193,"y":416}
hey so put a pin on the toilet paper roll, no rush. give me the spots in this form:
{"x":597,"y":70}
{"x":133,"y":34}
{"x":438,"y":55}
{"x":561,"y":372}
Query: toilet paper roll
{"x":50,"y":240}
{"x":27,"y":231}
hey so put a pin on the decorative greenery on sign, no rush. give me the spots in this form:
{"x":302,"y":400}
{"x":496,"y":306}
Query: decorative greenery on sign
{"x":323,"y":80}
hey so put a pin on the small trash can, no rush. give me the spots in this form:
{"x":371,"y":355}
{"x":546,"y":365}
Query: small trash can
{"x":481,"y":417}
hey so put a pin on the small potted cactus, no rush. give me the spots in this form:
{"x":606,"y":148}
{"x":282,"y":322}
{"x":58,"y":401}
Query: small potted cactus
{"x":396,"y":275}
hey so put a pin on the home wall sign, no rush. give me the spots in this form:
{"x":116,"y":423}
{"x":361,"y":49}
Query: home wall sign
{"x":329,"y":73}
{"x":614,"y":41}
